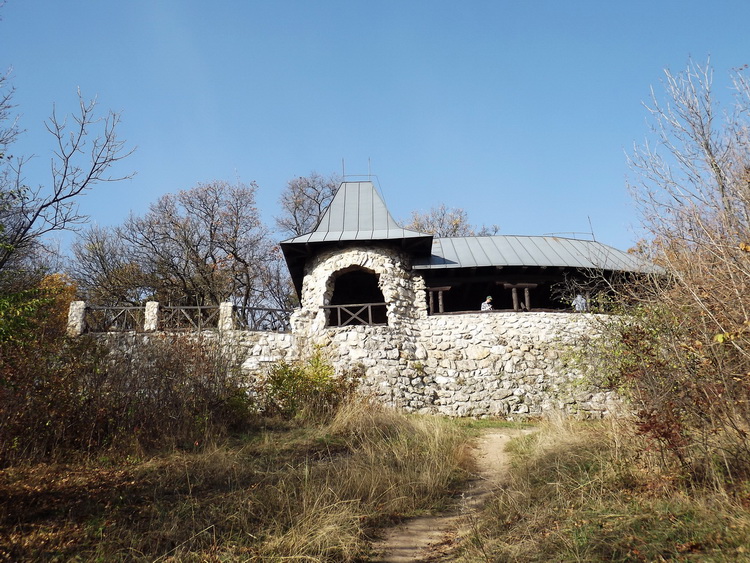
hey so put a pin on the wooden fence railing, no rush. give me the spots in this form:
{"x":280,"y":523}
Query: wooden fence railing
{"x":189,"y":318}
{"x":152,"y":317}
{"x":261,"y":319}
{"x":357,"y":314}
{"x":114,"y":319}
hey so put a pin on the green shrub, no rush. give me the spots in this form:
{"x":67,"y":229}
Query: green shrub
{"x":307,"y":389}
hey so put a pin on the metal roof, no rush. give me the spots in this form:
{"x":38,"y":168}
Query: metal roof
{"x":357,"y":212}
{"x":543,"y":251}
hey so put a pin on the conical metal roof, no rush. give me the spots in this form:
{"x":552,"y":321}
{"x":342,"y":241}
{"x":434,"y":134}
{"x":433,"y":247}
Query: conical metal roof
{"x":356,"y":213}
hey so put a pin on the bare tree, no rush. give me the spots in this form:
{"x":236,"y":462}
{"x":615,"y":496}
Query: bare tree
{"x":693,"y":191}
{"x":8,"y":124}
{"x":303,"y":202}
{"x":86,"y":148}
{"x":105,"y":269}
{"x":200,"y":246}
{"x":684,"y":350}
{"x":443,"y":221}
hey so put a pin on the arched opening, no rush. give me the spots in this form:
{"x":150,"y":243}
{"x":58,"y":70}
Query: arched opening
{"x":356,"y":299}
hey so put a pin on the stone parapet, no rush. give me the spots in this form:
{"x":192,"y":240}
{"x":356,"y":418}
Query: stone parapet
{"x":511,"y":365}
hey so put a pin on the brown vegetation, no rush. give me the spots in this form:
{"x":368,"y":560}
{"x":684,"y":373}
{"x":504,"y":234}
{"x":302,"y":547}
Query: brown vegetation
{"x":62,"y":397}
{"x":312,"y":493}
{"x":681,"y":353}
{"x":596,"y":492}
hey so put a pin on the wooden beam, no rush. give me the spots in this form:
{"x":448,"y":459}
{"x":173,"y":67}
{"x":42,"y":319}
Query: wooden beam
{"x":507,"y":285}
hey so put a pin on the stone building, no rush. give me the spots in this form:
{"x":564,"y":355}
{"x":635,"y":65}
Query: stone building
{"x":520,"y":272}
{"x":402,"y":307}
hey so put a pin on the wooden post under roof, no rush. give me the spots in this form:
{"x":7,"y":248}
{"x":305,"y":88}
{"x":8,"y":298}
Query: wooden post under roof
{"x":514,"y":287}
{"x":439,"y":291}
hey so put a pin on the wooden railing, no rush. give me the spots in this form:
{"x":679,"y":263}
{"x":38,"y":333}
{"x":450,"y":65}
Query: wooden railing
{"x":258,"y":318}
{"x":183,"y":317}
{"x":357,"y":314}
{"x":114,"y":319}
{"x":152,"y":317}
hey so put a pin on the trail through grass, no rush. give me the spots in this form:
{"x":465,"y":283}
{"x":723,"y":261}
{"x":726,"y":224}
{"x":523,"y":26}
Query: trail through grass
{"x":593,"y":492}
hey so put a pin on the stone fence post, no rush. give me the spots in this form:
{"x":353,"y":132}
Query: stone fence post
{"x":76,"y":318}
{"x":151,"y":316}
{"x":226,"y":316}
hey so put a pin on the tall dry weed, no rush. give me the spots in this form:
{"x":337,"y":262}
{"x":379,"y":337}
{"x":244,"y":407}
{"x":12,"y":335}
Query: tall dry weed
{"x":681,"y":351}
{"x":587,"y":491}
{"x":403,"y":463}
{"x":310,"y":493}
{"x":75,"y":397}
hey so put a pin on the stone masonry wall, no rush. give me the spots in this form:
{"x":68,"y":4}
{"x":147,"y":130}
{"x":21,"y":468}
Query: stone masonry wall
{"x":252,"y":351}
{"x":477,"y":364}
{"x":471,"y":364}
{"x":512,"y":365}
{"x":403,"y":292}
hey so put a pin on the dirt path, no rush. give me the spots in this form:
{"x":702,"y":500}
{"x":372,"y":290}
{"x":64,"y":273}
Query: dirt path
{"x":432,"y":538}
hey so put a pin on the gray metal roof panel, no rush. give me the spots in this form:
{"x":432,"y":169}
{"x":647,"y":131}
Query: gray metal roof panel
{"x":473,"y":252}
{"x":357,"y":212}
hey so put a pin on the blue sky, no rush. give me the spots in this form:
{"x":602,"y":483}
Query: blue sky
{"x":520,"y":112}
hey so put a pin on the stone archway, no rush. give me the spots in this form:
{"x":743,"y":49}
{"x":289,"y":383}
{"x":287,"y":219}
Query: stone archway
{"x":402,"y":293}
{"x":356,"y":298}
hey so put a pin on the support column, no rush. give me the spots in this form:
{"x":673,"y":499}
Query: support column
{"x":76,"y":318}
{"x":514,"y":292}
{"x":226,"y":316}
{"x":151,"y":316}
{"x":514,"y":287}
{"x":431,"y":292}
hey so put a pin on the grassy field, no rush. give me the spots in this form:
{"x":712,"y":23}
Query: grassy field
{"x":307,"y":493}
{"x":576,"y":491}
{"x":596,"y":492}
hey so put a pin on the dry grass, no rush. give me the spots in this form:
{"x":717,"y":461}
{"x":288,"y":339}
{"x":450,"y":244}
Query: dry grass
{"x":314,"y":493}
{"x":590,"y":492}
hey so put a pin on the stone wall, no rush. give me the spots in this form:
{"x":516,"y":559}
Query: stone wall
{"x":477,"y":364}
{"x":402,"y":291}
{"x":252,"y":351}
{"x":511,"y":365}
{"x":472,"y":364}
